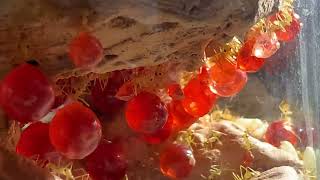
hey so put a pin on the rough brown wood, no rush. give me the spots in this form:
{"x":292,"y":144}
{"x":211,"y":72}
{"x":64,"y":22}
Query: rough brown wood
{"x":133,"y":32}
{"x":13,"y":167}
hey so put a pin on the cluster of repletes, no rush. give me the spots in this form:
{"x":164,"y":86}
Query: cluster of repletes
{"x":26,"y":95}
{"x":74,"y":132}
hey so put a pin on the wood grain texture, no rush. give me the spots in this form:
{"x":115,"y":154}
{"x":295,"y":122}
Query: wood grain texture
{"x":133,"y":32}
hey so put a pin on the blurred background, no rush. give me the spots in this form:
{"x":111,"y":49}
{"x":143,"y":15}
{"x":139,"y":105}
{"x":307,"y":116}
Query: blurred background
{"x":292,"y":75}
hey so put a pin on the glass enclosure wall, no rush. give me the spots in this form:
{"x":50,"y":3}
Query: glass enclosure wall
{"x":308,"y":53}
{"x":291,"y":75}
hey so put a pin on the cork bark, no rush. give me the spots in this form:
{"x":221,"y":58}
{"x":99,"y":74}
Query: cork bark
{"x":133,"y":32}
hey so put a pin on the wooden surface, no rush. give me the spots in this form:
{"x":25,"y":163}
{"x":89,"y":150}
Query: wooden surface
{"x":133,"y":32}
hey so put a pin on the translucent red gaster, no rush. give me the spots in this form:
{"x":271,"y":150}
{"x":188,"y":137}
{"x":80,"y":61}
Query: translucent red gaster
{"x":289,"y":32}
{"x":227,"y":80}
{"x":177,"y":161}
{"x":75,"y":131}
{"x":246,"y":61}
{"x":199,"y":98}
{"x":59,"y":100}
{"x":222,"y":71}
{"x":175,"y":91}
{"x":180,"y":118}
{"x":34,"y":141}
{"x":85,"y":50}
{"x":145,"y":113}
{"x":232,"y":88}
{"x":280,"y":131}
{"x":203,"y":75}
{"x":107,"y":162}
{"x":126,"y":91}
{"x":266,"y":45}
{"x":161,"y":135}
{"x":103,"y":98}
{"x":26,"y":94}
